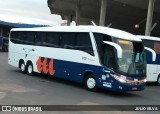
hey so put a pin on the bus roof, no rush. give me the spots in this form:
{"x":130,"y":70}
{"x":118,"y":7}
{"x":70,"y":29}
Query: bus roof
{"x":149,"y":38}
{"x":98,"y":29}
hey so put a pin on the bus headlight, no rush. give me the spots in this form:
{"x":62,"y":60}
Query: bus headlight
{"x":121,"y":78}
{"x":145,"y":80}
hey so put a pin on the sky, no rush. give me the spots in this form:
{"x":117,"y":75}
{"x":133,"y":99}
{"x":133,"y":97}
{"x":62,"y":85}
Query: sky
{"x":27,"y":11}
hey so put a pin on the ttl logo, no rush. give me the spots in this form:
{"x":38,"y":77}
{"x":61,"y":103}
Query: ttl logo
{"x":44,"y":66}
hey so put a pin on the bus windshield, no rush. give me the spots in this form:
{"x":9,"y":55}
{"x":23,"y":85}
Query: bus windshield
{"x":132,"y":61}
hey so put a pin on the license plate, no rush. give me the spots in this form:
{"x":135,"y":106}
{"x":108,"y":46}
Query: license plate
{"x":134,"y":88}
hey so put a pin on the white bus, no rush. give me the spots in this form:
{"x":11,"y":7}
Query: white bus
{"x":98,"y":57}
{"x":153,"y":67}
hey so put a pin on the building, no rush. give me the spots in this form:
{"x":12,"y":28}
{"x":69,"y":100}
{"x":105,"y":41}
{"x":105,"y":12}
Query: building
{"x":5,"y":27}
{"x":135,"y":16}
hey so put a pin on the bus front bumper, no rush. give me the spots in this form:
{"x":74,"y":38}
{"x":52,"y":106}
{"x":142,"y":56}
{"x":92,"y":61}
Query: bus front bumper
{"x":124,"y":87}
{"x":130,"y":87}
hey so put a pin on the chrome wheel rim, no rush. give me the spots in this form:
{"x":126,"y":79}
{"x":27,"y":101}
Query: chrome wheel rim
{"x":91,"y":83}
{"x":22,"y":67}
{"x":159,"y":80}
{"x":30,"y":69}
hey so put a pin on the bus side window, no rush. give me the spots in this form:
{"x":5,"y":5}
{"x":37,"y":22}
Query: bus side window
{"x":52,"y":39}
{"x":40,"y":38}
{"x":83,"y":43}
{"x":43,"y":38}
{"x":29,"y":38}
{"x":68,"y":40}
{"x":14,"y":37}
{"x":99,"y":38}
{"x":21,"y":38}
{"x":108,"y":57}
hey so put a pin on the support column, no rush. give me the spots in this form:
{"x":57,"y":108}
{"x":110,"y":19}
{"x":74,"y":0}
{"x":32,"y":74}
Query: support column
{"x":69,"y":19}
{"x":103,"y":13}
{"x":149,"y":17}
{"x":78,"y":12}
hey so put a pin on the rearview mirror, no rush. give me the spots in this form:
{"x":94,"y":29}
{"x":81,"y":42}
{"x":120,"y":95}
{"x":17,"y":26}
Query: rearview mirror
{"x":118,"y":48}
{"x":153,"y":53}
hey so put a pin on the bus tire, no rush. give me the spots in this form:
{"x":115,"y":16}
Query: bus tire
{"x":29,"y":68}
{"x":158,"y":80}
{"x":90,"y":83}
{"x":22,"y":66}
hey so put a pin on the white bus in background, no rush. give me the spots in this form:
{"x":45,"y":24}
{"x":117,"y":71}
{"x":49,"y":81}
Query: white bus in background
{"x":98,"y":57}
{"x":153,"y":67}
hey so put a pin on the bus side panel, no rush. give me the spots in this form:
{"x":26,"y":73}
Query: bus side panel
{"x":75,"y":71}
{"x":13,"y":55}
{"x":152,"y":72}
{"x":158,"y":65}
{"x":63,"y":56}
{"x":153,"y":68}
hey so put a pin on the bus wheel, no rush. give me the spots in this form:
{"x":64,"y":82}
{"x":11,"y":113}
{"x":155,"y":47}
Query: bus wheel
{"x":22,"y":67}
{"x":158,"y":80}
{"x":30,"y":69}
{"x":90,"y":83}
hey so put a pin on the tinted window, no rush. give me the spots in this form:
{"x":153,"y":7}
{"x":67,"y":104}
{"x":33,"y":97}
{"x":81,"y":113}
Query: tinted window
{"x":14,"y":37}
{"x":52,"y":39}
{"x":77,"y":41}
{"x":20,"y":38}
{"x":68,"y":40}
{"x":107,"y":57}
{"x":40,"y":38}
{"x":29,"y":38}
{"x":84,"y":43}
{"x":99,"y":38}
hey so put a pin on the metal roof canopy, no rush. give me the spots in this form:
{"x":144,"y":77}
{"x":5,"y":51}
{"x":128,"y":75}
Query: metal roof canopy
{"x":123,"y":14}
{"x":20,"y":25}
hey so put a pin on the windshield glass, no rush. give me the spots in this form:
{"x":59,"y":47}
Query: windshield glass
{"x":132,"y":61}
{"x":127,"y":55}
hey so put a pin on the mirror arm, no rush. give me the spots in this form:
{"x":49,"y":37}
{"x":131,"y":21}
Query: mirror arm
{"x":153,"y":53}
{"x":118,"y":48}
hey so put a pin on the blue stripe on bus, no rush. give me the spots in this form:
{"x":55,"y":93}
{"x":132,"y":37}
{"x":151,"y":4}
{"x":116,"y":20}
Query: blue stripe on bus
{"x":75,"y":72}
{"x":149,"y":59}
